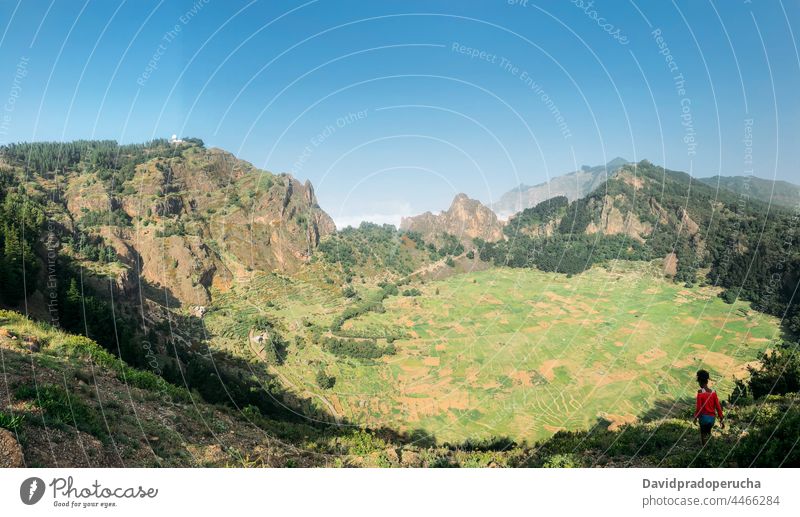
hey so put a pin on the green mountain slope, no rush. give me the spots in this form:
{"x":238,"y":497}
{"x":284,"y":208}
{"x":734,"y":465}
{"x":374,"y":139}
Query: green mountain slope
{"x":780,"y":193}
{"x":573,"y":185}
{"x":646,"y":212}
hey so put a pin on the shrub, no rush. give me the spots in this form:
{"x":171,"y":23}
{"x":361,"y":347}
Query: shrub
{"x":367,"y":349}
{"x":61,"y":409}
{"x":561,"y":461}
{"x":778,"y":372}
{"x":11,"y":422}
{"x":324,"y":380}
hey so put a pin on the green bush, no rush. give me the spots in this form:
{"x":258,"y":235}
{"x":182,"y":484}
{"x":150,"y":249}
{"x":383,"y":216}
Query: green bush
{"x":59,"y":408}
{"x":324,"y":380}
{"x":367,"y":349}
{"x":12,"y":423}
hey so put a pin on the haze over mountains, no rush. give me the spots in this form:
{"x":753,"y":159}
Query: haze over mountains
{"x":777,"y":192}
{"x":469,"y":218}
{"x":572,"y":185}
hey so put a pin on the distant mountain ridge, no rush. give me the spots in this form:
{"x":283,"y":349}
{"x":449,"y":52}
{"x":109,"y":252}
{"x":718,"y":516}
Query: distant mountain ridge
{"x":573,"y":185}
{"x":777,"y":192}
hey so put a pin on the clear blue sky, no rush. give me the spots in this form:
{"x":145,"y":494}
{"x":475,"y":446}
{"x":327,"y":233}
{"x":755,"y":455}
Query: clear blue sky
{"x":382,"y":105}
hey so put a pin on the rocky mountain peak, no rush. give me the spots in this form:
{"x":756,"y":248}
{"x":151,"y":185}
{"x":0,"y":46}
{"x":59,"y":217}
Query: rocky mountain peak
{"x":466,"y":218}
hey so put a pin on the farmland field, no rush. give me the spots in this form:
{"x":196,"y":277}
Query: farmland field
{"x":523,"y":353}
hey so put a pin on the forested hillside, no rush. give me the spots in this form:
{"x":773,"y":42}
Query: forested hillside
{"x":777,"y":193}
{"x":646,"y":212}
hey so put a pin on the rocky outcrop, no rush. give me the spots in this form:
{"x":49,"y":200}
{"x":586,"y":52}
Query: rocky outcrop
{"x":466,"y":218}
{"x":278,"y":230}
{"x":670,"y":265}
{"x":201,"y":218}
{"x":613,"y":221}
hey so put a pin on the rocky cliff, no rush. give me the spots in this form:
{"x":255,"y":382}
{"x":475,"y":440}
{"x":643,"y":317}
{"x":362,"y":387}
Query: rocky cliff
{"x":466,"y":218}
{"x":183,"y":218}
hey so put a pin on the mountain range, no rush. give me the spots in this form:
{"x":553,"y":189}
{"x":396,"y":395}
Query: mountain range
{"x":572,"y":185}
{"x":195,"y":277}
{"x":776,"y":192}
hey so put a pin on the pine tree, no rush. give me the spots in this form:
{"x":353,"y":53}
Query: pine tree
{"x":12,"y":289}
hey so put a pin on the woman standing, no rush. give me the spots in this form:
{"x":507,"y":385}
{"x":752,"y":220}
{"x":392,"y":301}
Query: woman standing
{"x":707,"y":407}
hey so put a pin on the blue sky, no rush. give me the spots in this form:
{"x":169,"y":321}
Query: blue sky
{"x":391,"y":108}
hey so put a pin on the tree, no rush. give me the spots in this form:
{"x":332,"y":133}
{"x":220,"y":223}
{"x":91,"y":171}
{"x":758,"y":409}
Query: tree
{"x":19,"y":267}
{"x":71,"y":312}
{"x":324,"y":380}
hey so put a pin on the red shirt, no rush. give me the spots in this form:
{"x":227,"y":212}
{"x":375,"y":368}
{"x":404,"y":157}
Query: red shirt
{"x":707,"y":403}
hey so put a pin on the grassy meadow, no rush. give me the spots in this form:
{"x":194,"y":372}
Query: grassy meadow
{"x":508,"y":352}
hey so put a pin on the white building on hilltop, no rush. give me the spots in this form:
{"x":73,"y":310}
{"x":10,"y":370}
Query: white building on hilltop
{"x":175,"y":140}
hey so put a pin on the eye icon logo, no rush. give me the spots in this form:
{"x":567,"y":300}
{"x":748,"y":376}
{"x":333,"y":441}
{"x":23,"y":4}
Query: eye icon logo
{"x":31,"y":490}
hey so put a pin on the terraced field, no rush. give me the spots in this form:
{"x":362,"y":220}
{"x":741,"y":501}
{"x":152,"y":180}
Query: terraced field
{"x":522,"y":353}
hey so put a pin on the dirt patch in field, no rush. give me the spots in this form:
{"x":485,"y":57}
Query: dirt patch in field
{"x":417,"y":408}
{"x":431,"y":361}
{"x":440,"y":347}
{"x":558,"y":298}
{"x":457,"y":327}
{"x":599,"y":378}
{"x":715,"y":360}
{"x":547,"y":369}
{"x":742,"y":371}
{"x":412,"y":373}
{"x":617,"y":421}
{"x":521,"y":377}
{"x":637,"y":328}
{"x":720,"y":361}
{"x":491,"y":300}
{"x":689,"y":360}
{"x":650,"y":356}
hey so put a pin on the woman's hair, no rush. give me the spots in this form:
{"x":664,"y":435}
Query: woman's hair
{"x":702,"y":377}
